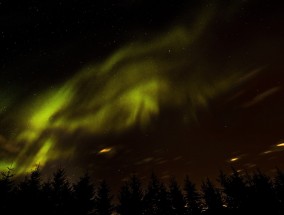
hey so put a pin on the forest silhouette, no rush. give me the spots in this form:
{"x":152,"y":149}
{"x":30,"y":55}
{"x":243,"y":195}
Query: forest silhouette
{"x":233,"y":194}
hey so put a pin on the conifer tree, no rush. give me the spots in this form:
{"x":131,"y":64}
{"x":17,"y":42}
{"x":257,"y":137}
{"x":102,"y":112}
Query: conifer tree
{"x":279,"y":190}
{"x":264,"y":197}
{"x":236,"y":190}
{"x":251,"y":194}
{"x":164,"y":201}
{"x":61,"y":193}
{"x":29,"y":196}
{"x":152,"y":198}
{"x":124,"y":200}
{"x":131,"y":197}
{"x":136,"y":196}
{"x":47,"y":198}
{"x":156,"y":200}
{"x":83,"y":194}
{"x":103,"y":200}
{"x":212,"y":198}
{"x":6,"y":192}
{"x":192,"y":198}
{"x":176,"y":198}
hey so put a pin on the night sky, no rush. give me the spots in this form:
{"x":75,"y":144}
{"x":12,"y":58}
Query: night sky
{"x":121,"y":87}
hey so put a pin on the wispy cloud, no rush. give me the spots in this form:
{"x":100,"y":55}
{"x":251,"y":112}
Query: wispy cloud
{"x":262,"y":96}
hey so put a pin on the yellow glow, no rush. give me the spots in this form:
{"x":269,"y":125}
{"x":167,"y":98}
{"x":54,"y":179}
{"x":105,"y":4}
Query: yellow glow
{"x":280,"y":145}
{"x":234,"y":159}
{"x":48,"y":106}
{"x":28,"y":136}
{"x":4,"y":166}
{"x":39,"y":158}
{"x":42,"y":155}
{"x":105,"y":150}
{"x":127,"y":89}
{"x":267,"y":152}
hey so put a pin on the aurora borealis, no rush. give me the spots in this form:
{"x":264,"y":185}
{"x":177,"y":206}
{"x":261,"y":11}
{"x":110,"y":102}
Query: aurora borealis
{"x":193,"y":92}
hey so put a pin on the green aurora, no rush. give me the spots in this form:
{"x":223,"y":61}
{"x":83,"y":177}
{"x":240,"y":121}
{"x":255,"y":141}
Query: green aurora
{"x":128,"y":89}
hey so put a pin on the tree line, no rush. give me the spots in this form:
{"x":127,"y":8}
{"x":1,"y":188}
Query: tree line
{"x":234,"y":194}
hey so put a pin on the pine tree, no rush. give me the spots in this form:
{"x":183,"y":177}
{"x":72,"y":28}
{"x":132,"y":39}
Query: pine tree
{"x":192,"y":198}
{"x":237,"y":193}
{"x":212,"y":198}
{"x":103,"y":200}
{"x":84,"y":191}
{"x":6,"y":192}
{"x":265,"y":201}
{"x":176,"y":198}
{"x":29,"y":196}
{"x":47,"y":198}
{"x":279,"y":189}
{"x":152,"y":199}
{"x":164,"y":201}
{"x":156,"y":200}
{"x":61,"y":193}
{"x":131,"y":197}
{"x":136,"y":196}
{"x":123,"y":207}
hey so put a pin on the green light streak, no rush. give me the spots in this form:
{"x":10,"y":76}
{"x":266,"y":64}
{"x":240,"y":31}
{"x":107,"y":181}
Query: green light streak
{"x":127,"y":89}
{"x":4,"y":166}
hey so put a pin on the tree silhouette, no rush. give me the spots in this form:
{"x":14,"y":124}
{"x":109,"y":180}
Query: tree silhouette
{"x":29,"y":196}
{"x":103,"y":200}
{"x":236,"y":192}
{"x":264,"y":198}
{"x":176,"y":198}
{"x":156,"y":199}
{"x":136,"y":196}
{"x":164,"y":203}
{"x":61,"y":193}
{"x":47,"y":194}
{"x":192,"y":198}
{"x":6,"y":192}
{"x":243,"y":194}
{"x":212,"y":198}
{"x":83,"y":194}
{"x":279,"y":190}
{"x":131,"y":197}
{"x":151,"y":199}
{"x":123,"y":207}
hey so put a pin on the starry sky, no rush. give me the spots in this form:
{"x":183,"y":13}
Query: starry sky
{"x":131,"y":86}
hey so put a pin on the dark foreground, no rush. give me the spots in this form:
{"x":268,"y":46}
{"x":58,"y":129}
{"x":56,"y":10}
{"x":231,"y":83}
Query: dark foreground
{"x":234,"y":194}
